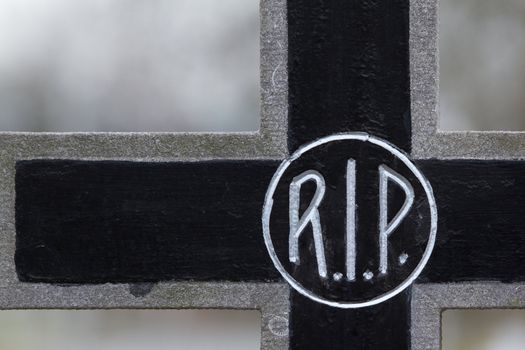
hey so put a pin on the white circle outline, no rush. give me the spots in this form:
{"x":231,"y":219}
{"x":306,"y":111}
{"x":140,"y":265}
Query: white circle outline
{"x":358,"y":136}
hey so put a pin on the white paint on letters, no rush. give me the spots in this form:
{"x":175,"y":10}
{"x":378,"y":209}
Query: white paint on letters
{"x":310,"y":216}
{"x":338,"y":276}
{"x":387,"y":228}
{"x":399,"y":154}
{"x":403,"y":258}
{"x":350,"y":220}
{"x":368,"y":275}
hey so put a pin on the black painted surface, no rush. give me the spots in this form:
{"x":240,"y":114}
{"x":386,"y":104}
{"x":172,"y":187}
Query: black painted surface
{"x":93,"y":222}
{"x":481,"y":229}
{"x":382,"y":327}
{"x":349,"y":69}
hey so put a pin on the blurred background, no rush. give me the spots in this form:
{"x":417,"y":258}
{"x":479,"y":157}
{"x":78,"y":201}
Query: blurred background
{"x":482,"y":64}
{"x":193,"y":65}
{"x":483,"y":329}
{"x":119,"y":65}
{"x":130,"y":330}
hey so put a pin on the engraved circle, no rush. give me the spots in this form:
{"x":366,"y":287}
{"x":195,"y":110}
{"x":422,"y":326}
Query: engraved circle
{"x":397,"y":153}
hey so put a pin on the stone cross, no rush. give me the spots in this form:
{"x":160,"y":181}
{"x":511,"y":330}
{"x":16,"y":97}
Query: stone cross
{"x":348,"y":219}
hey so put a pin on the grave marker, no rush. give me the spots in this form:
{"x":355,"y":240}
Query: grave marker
{"x":182,"y":215}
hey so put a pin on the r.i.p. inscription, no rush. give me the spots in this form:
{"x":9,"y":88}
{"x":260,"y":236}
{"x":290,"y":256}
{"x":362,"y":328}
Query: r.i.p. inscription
{"x":361,"y":223}
{"x":350,"y":224}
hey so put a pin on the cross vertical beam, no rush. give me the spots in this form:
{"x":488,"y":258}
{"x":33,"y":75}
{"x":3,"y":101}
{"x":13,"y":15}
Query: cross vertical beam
{"x":348,"y":66}
{"x":349,"y":71}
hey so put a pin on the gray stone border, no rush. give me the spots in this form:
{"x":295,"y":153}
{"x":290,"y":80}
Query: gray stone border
{"x":271,"y":299}
{"x":270,"y":142}
{"x":427,"y":140}
{"x":429,"y":301}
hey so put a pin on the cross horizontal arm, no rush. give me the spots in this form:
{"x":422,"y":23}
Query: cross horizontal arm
{"x":109,"y":221}
{"x":481,"y":234}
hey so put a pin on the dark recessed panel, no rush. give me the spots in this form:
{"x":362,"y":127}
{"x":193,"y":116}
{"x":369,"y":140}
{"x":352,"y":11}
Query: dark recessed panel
{"x":95,"y":222}
{"x":382,"y":327}
{"x":481,"y":232}
{"x":348,"y":69}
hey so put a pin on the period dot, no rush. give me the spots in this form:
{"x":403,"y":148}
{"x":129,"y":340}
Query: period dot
{"x":338,"y":276}
{"x":368,"y":275}
{"x":403,"y":259}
